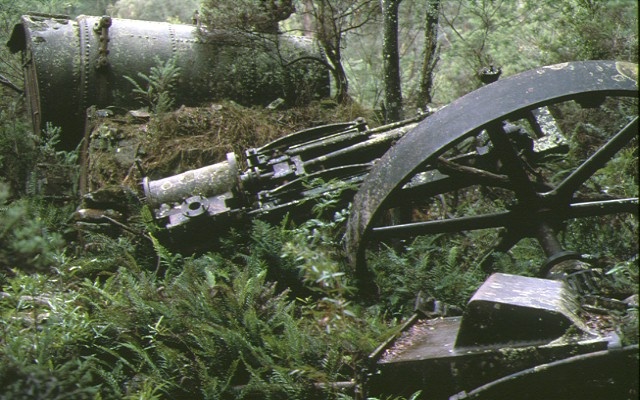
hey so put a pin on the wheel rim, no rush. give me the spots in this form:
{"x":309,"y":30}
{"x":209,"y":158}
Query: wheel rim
{"x":412,"y":171}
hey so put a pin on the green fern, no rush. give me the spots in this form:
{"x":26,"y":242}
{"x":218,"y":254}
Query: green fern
{"x":166,"y":258}
{"x":157,"y":91}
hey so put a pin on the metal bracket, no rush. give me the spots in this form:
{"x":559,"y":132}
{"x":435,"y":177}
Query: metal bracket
{"x":102,"y":29}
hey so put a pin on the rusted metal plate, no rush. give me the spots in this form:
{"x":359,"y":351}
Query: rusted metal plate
{"x":518,"y":309}
{"x":488,"y":105}
{"x":424,"y":357}
{"x":515,"y":334}
{"x":606,"y":374}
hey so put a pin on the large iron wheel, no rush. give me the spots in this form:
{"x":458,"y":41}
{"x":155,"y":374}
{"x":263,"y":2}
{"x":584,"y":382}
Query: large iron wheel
{"x":527,"y":151}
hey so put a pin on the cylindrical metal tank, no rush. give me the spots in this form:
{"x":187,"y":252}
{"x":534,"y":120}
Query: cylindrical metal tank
{"x":72,"y":64}
{"x":207,"y":181}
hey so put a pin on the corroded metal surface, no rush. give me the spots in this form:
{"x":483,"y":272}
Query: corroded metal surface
{"x":286,"y":176}
{"x":487,"y":107}
{"x":511,"y":308}
{"x":516,"y":334}
{"x":423,"y":358}
{"x":207,"y":181}
{"x":71,"y":64}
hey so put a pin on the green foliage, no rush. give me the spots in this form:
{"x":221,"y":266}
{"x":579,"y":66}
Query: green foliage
{"x":205,"y":327}
{"x":439,"y":265}
{"x":273,"y":314}
{"x":22,"y":154}
{"x":522,"y":35}
{"x":18,"y":149}
{"x":246,"y":15}
{"x":32,"y":228}
{"x":313,"y":248}
{"x":29,"y":233}
{"x":42,"y":336}
{"x":157,"y":91}
{"x":515,"y":35}
{"x":594,"y":30}
{"x":414,"y":396}
{"x":154,"y":10}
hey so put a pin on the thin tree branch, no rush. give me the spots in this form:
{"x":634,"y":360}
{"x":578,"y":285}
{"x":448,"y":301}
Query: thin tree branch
{"x":6,"y":82}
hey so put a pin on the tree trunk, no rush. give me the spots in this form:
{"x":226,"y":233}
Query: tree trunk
{"x":430,"y":53}
{"x":329,"y":34}
{"x":391,"y":61}
{"x":337,"y":70}
{"x":342,"y":83}
{"x":307,"y":18}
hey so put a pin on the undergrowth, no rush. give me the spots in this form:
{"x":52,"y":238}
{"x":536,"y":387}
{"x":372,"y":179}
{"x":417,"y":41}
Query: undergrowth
{"x":213,"y":326}
{"x":273,"y":313}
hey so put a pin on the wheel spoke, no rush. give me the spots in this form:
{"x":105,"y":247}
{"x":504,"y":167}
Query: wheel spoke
{"x":522,"y":186}
{"x":506,"y":219}
{"x":495,"y":220}
{"x":601,"y":208}
{"x":571,"y":183}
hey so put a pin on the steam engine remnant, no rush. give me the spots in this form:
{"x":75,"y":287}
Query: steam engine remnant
{"x":519,"y":337}
{"x":528,"y":152}
{"x":284,"y":176}
{"x":72,"y":64}
{"x":521,"y":189}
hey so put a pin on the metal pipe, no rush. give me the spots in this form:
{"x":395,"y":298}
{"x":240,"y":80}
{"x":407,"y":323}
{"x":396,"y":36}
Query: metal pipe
{"x":207,"y":181}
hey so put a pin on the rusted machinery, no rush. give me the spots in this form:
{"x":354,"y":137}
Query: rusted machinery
{"x":284,"y":176}
{"x":487,"y":139}
{"x":528,"y":151}
{"x":72,"y":64}
{"x":519,"y":337}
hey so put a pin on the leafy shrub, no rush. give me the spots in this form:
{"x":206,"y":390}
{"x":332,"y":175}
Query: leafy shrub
{"x":435,"y":265}
{"x":211,"y":326}
{"x":157,"y":91}
{"x":44,"y":330}
{"x":28,"y":239}
{"x":18,"y":149}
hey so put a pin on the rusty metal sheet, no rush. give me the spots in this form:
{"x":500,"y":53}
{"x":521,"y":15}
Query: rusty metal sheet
{"x":518,"y":309}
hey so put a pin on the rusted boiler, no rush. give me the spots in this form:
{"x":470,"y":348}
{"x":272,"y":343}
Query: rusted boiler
{"x":72,"y":64}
